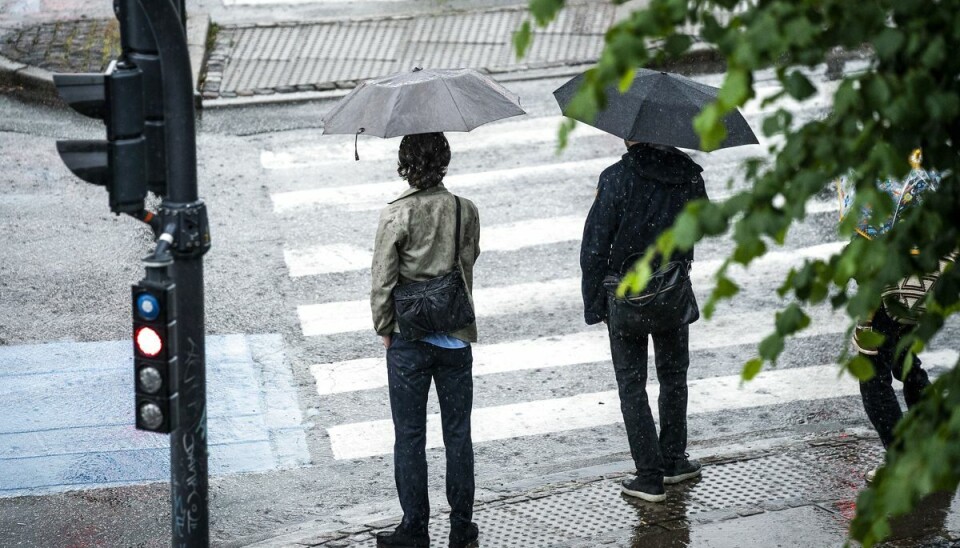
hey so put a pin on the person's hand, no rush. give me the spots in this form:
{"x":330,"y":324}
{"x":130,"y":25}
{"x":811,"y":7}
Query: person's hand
{"x":387,"y":339}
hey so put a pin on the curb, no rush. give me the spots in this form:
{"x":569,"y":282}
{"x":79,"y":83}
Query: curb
{"x":36,"y":84}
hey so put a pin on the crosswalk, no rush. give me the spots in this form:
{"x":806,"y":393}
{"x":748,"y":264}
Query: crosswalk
{"x":532,"y":216}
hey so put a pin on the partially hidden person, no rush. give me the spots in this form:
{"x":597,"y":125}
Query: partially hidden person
{"x":637,"y":199}
{"x":900,"y":308}
{"x":426,"y":245}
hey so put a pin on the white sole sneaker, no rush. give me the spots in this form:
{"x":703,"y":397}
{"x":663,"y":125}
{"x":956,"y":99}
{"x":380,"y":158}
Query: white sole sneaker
{"x":643,"y":496}
{"x":670,"y":480}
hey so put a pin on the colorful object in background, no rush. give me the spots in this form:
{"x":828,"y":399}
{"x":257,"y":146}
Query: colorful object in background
{"x":905,"y":194}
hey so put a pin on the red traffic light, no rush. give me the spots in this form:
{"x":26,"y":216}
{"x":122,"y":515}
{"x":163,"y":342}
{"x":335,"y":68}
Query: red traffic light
{"x":148,"y":342}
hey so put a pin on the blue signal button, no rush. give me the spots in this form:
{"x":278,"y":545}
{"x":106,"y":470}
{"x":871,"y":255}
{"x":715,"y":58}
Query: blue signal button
{"x":148,"y":307}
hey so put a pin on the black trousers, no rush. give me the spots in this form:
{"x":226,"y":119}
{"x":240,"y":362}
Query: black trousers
{"x":410,"y":367}
{"x":879,"y":399}
{"x":672,"y":358}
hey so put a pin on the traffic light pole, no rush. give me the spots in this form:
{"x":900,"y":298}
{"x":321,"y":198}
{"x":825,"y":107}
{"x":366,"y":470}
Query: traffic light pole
{"x":182,"y":209}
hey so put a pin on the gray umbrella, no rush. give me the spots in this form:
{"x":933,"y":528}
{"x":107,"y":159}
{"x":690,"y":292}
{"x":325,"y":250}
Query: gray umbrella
{"x":422,"y":101}
{"x":659,"y":108}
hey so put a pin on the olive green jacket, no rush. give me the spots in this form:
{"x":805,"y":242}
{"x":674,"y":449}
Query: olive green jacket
{"x":415,"y":242}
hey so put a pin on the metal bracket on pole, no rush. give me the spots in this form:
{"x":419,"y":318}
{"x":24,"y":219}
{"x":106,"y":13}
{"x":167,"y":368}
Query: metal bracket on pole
{"x":192,"y":232}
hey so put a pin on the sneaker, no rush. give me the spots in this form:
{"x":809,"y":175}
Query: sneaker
{"x":465,"y":538}
{"x":402,"y":537}
{"x":871,"y":475}
{"x":681,"y":470}
{"x":644,"y":490}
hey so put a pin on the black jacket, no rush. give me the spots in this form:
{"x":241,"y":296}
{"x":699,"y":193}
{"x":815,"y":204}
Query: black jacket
{"x":637,"y":198}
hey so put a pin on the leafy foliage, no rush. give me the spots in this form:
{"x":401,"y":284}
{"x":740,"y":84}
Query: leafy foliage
{"x":909,"y":97}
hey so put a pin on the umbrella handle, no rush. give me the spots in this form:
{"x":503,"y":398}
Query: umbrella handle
{"x":356,"y":154}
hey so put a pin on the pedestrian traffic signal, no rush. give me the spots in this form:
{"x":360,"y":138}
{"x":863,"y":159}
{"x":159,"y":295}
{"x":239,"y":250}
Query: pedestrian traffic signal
{"x":155,"y":355}
{"x":120,"y":162}
{"x":140,"y":48}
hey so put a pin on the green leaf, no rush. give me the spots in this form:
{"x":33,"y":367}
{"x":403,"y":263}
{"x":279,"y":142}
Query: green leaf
{"x":870,"y":339}
{"x":677,"y":44}
{"x":626,"y":80}
{"x":791,"y":319}
{"x":686,"y":230}
{"x":709,"y":127}
{"x":798,"y":86}
{"x":545,"y":11}
{"x":725,"y":288}
{"x":888,"y":43}
{"x":771,"y":347}
{"x":522,"y":39}
{"x":751,"y":368}
{"x":736,"y":88}
{"x":861,"y":368}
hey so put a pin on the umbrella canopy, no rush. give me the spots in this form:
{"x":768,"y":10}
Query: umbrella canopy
{"x":658,"y":108}
{"x":906,"y":194}
{"x":422,"y":101}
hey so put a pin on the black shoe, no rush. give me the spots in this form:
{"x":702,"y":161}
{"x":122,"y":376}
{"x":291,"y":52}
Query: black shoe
{"x":465,"y":537}
{"x":402,"y":537}
{"x":681,"y":470}
{"x":644,"y":490}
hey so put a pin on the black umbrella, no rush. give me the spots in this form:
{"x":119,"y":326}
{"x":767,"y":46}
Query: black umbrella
{"x":658,"y":108}
{"x":422,"y":101}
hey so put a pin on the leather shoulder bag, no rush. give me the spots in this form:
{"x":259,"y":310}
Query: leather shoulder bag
{"x":667,"y":303}
{"x":437,"y":305}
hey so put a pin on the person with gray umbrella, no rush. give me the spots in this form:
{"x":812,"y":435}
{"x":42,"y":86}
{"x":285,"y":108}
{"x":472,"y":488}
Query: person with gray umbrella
{"x":422,"y":277}
{"x":638,"y":198}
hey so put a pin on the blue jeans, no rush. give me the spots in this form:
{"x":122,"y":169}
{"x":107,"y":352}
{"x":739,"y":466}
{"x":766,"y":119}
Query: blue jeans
{"x":410,"y":367}
{"x":672,"y":358}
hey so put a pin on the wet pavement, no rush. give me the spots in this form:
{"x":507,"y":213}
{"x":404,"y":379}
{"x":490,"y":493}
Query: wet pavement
{"x":799,"y":494}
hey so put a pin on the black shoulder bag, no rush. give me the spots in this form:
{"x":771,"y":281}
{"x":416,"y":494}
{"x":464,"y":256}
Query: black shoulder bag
{"x":437,"y":305}
{"x":668,"y":302}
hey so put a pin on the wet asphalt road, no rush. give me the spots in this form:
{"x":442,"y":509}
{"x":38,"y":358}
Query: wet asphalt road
{"x":66,"y":264}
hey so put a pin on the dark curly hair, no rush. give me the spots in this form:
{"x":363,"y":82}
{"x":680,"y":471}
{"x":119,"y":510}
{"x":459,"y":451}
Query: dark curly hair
{"x":424,"y":158}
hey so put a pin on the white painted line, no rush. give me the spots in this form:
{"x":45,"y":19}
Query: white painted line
{"x":713,"y":395}
{"x":573,"y":349}
{"x":519,"y":133}
{"x":293,"y":2}
{"x":326,"y":259}
{"x":376,"y":195}
{"x":346,"y":316}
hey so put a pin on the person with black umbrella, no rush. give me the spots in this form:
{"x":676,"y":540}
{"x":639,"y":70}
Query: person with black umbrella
{"x":638,"y":198}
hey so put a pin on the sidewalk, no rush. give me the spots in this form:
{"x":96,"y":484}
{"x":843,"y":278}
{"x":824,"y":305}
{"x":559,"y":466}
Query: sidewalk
{"x":802,"y":493}
{"x":275,"y":62}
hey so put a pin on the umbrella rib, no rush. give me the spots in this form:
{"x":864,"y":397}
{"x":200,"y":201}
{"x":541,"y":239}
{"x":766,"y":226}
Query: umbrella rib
{"x":450,"y":93}
{"x":643,"y":104}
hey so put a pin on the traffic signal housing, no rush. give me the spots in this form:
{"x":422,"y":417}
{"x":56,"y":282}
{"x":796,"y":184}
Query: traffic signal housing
{"x":155,"y":355}
{"x":120,"y":162}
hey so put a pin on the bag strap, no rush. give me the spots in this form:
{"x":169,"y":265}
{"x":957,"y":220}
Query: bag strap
{"x":456,"y":241}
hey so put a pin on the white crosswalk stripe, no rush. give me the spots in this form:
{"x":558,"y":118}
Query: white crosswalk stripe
{"x":711,"y":395}
{"x":346,"y":316}
{"x":324,"y":259}
{"x":562,"y":350}
{"x":335,"y":149}
{"x":373,"y":196}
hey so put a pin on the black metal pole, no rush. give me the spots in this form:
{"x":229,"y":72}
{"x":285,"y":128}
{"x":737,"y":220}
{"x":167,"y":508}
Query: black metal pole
{"x":188,"y":442}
